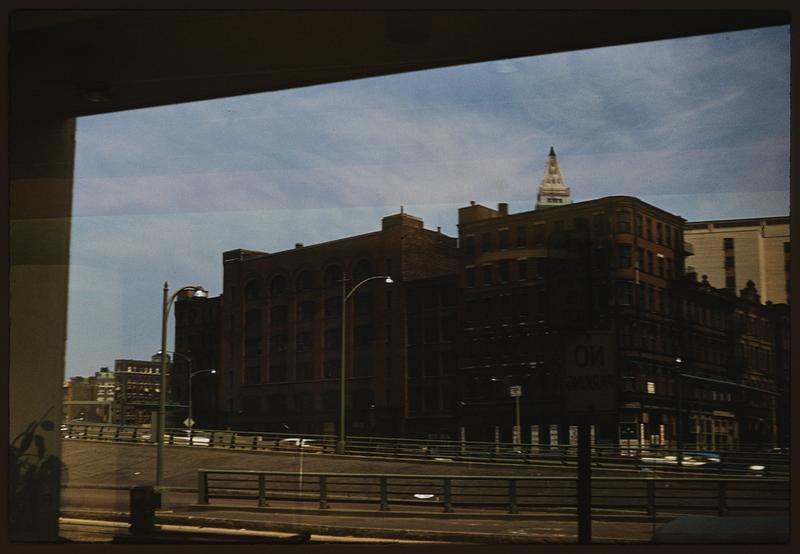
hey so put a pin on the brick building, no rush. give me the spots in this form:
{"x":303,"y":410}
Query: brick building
{"x":77,"y":390}
{"x":104,"y":383}
{"x":280,"y":330}
{"x":137,"y":391}
{"x":432,"y":332}
{"x":89,"y":398}
{"x":532,"y":280}
{"x":197,"y":328}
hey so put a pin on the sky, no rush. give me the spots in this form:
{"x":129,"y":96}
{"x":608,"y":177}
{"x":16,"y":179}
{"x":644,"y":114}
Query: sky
{"x":696,"y":126}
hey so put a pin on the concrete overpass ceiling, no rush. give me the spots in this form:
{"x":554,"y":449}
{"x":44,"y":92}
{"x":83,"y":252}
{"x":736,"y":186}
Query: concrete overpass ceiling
{"x":82,"y":63}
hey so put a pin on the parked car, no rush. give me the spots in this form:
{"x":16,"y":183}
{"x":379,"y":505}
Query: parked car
{"x":310,"y":446}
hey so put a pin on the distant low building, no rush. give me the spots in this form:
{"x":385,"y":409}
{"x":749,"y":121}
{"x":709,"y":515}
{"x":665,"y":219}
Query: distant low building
{"x":89,"y":399}
{"x":78,"y":393}
{"x":104,"y":385}
{"x":137,"y":386}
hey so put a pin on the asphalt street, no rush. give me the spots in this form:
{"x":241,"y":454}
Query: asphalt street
{"x":98,"y":504}
{"x":98,"y":476}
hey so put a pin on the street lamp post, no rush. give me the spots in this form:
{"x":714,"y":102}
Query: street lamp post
{"x":679,"y":408}
{"x":340,"y":444}
{"x":189,"y":362}
{"x":198,"y":292}
{"x":518,"y":438}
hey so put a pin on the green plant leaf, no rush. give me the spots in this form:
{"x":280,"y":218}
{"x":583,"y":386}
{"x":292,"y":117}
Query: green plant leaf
{"x":26,"y":441}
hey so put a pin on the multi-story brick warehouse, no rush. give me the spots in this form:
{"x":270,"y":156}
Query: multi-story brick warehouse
{"x":532,"y":279}
{"x":280,"y":330}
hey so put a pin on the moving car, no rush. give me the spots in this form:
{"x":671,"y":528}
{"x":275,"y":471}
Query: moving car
{"x":180,"y":437}
{"x":704,"y":461}
{"x":183,"y":437}
{"x":310,"y":446}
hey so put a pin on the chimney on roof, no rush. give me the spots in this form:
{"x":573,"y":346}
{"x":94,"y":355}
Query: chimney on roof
{"x":298,"y":245}
{"x":471,"y":202}
{"x":502,"y":207}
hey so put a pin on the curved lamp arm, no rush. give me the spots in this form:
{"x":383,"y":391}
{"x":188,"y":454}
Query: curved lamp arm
{"x":388,"y":280}
{"x":203,"y":371}
{"x":196,"y":290}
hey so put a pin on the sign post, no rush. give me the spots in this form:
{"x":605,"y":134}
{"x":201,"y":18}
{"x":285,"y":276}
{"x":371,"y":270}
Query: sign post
{"x":515,"y":392}
{"x":589,"y":389}
{"x":584,"y":482}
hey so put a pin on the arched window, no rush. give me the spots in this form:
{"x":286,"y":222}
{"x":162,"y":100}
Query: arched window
{"x":304,"y":280}
{"x":333,"y":276}
{"x":252,"y":289}
{"x":362,"y":270}
{"x":277,"y":285}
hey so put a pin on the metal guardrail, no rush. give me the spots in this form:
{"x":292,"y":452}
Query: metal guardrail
{"x":606,"y":456}
{"x":493,"y":494}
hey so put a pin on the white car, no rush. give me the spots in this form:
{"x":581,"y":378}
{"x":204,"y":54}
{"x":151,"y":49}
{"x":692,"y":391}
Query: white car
{"x":181,"y":437}
{"x":184,"y":436}
{"x":307,"y":445}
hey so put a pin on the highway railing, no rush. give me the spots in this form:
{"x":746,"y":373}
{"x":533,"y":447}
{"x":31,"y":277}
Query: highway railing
{"x":504,"y":494}
{"x":650,"y":458}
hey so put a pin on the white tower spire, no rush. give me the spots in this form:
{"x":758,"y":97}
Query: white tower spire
{"x":553,"y":191}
